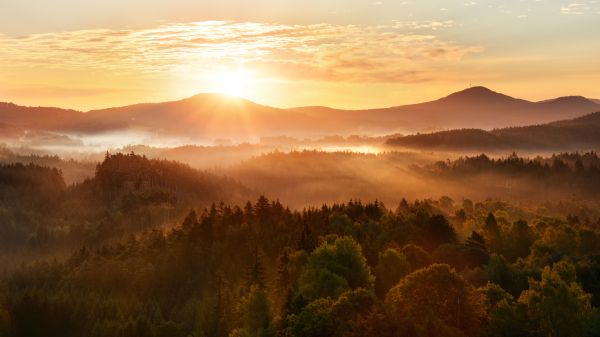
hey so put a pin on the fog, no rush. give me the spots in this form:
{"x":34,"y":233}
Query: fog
{"x":311,"y":178}
{"x":302,"y":174}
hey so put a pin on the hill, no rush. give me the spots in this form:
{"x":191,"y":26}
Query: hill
{"x":72,"y":171}
{"x":476,"y":107}
{"x":581,"y":133}
{"x":204,"y":115}
{"x":210,"y":116}
{"x":127,"y":193}
{"x":39,"y":118}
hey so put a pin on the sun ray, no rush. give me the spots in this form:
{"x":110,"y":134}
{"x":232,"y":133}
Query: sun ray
{"x":232,"y":82}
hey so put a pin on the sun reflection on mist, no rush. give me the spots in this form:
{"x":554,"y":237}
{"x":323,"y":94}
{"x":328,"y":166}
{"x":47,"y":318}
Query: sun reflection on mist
{"x":366,"y":149}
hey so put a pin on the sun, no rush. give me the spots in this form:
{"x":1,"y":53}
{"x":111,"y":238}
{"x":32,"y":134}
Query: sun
{"x":233,"y":82}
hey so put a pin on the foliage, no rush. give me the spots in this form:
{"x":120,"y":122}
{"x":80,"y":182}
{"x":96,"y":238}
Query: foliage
{"x":437,"y":297}
{"x":334,"y":268}
{"x":142,"y":250}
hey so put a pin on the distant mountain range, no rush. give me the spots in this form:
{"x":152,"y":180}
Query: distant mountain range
{"x":582,"y":133}
{"x":476,"y":107}
{"x":218,"y":116}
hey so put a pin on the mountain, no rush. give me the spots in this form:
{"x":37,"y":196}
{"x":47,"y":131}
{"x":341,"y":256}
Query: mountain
{"x":38,"y":118}
{"x":204,"y":115}
{"x":582,"y":133}
{"x":570,"y":102}
{"x":480,"y":96}
{"x":476,"y":107}
{"x":208,"y":115}
{"x":217,"y":116}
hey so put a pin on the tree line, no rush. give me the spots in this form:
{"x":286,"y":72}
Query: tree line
{"x":424,"y":268}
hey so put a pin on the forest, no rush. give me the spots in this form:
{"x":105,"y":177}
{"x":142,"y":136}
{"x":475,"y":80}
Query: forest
{"x":575,"y":171}
{"x":148,"y":247}
{"x":563,"y":135}
{"x":314,"y":168}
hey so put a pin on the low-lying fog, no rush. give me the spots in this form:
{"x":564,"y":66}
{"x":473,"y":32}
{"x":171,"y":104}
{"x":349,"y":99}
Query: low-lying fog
{"x":310,"y":172}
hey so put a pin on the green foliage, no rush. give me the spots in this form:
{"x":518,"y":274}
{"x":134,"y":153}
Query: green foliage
{"x":334,"y":268}
{"x":416,"y":256}
{"x":505,"y":317}
{"x":507,"y":275}
{"x":328,"y":317}
{"x":29,"y":195}
{"x":436,"y":231}
{"x":391,"y":267}
{"x":436,"y":296}
{"x":127,"y":193}
{"x":519,"y":240}
{"x":556,"y":304}
{"x":256,"y":315}
{"x":265,"y":270}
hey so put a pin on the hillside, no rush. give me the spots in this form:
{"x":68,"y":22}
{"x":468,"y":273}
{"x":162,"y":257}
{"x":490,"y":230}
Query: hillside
{"x":204,"y":115}
{"x":127,"y":193}
{"x":211,"y":116}
{"x":581,"y":133}
{"x":72,"y":171}
{"x":476,"y":107}
{"x":39,"y":118}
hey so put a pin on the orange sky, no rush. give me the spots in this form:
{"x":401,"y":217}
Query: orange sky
{"x":349,"y":54}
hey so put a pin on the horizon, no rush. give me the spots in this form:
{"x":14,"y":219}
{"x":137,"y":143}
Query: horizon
{"x":345,"y":54}
{"x":227,"y":96}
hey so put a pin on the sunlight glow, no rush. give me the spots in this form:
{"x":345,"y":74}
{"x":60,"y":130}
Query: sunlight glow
{"x":364,"y":149}
{"x":233,"y":82}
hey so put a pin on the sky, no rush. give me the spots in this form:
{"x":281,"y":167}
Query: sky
{"x":85,"y":54}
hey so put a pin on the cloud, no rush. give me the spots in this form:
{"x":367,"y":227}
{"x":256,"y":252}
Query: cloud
{"x":574,"y":9}
{"x":375,"y":53}
{"x":432,"y":25}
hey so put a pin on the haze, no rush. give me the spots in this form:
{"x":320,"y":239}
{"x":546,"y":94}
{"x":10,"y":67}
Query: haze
{"x":344,"y":54}
{"x":271,"y":168}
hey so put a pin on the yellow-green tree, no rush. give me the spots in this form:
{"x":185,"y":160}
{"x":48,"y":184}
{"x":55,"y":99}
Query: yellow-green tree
{"x":556,"y":305}
{"x":256,"y":315}
{"x":391,"y":267}
{"x":436,"y":301}
{"x":333,"y":268}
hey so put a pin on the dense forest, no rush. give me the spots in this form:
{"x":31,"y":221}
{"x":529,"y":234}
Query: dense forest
{"x":578,"y":172}
{"x":567,"y":135}
{"x":127,"y":193}
{"x":157,"y":248}
{"x":72,"y":170}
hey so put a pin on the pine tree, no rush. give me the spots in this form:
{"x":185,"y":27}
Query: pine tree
{"x":308,"y":242}
{"x":256,"y":273}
